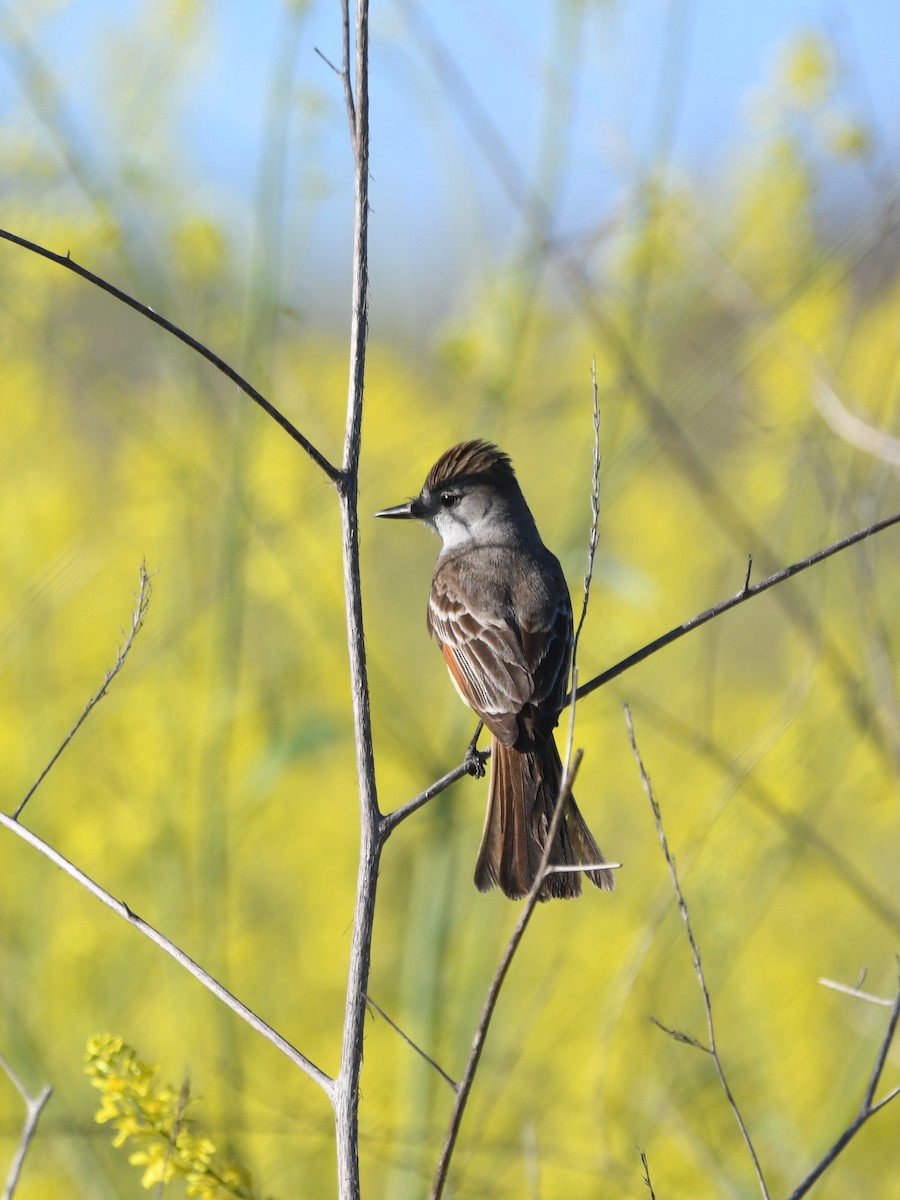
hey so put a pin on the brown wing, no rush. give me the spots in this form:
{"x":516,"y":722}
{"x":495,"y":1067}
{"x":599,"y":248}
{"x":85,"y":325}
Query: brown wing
{"x":509,"y":657}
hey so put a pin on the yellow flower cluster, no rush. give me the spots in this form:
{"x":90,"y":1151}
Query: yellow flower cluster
{"x":153,"y":1116}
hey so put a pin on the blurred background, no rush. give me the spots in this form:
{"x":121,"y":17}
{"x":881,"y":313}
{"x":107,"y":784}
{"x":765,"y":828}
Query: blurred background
{"x":704,"y":197}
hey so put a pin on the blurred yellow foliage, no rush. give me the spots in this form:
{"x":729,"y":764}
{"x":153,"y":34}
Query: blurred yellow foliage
{"x":214,"y":788}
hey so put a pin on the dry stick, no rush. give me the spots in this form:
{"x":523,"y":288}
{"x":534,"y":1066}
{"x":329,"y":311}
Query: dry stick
{"x":854,"y":991}
{"x":595,"y":509}
{"x":747,"y":592}
{"x":464,"y":1087}
{"x":121,"y":909}
{"x":119,"y":906}
{"x":34,"y":1106}
{"x":418,"y":1049}
{"x":646,"y":1175}
{"x":695,"y":952}
{"x":867,"y":1108}
{"x":137,"y":620}
{"x":346,"y":1088}
{"x":146,"y":311}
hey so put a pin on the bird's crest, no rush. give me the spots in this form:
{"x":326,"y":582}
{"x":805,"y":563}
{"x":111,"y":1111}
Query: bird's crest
{"x":470,"y":460}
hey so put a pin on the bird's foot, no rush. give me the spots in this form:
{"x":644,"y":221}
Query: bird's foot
{"x":474,"y":761}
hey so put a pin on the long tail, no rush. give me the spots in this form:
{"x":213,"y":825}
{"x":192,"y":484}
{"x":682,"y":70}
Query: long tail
{"x":523,"y":792}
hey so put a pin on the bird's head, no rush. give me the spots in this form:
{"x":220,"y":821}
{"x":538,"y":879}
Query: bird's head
{"x":471,"y":495}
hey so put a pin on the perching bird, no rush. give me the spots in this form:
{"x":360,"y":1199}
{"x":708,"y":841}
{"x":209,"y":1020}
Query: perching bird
{"x":500,"y":611}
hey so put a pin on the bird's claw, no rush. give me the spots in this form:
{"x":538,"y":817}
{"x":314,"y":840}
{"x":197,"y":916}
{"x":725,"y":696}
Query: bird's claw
{"x":474,"y":762}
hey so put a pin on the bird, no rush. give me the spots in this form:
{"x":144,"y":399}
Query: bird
{"x":501,"y":614}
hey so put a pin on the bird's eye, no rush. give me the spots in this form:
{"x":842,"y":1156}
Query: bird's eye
{"x":449,"y":499}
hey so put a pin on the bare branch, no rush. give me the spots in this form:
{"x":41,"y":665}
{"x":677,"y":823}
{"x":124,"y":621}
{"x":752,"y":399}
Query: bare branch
{"x":418,"y":1049}
{"x":145,"y":310}
{"x":121,"y":909}
{"x":137,"y":620}
{"x":346,"y":1089}
{"x":345,"y":75}
{"x":391,"y":820}
{"x":34,"y":1106}
{"x":695,"y":952}
{"x":328,"y":63}
{"x":646,"y":1175}
{"x":746,"y":593}
{"x":678,"y":1036}
{"x":595,"y":508}
{"x":464,"y":1087}
{"x":854,"y":991}
{"x":868,"y":1108}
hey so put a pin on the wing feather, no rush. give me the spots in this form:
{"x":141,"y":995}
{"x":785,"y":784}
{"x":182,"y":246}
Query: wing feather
{"x":505,"y":654}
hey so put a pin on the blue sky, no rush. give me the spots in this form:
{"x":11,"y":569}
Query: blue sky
{"x":589,"y":102}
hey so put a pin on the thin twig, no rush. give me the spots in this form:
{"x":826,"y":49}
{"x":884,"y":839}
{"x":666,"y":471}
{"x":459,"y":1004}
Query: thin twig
{"x":695,"y":952}
{"x":646,"y":1176}
{"x":348,"y":82}
{"x":391,"y":820}
{"x":121,"y":909}
{"x":746,"y":593}
{"x":34,"y":1106}
{"x":145,"y":310}
{"x":418,"y":1049}
{"x":464,"y":1086}
{"x":854,"y":991}
{"x":678,"y":1035}
{"x":328,"y":63}
{"x":867,"y":1109}
{"x":137,"y":620}
{"x":595,"y":508}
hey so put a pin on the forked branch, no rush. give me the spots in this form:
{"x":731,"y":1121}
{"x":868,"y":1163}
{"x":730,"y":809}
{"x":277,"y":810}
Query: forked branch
{"x":711,"y":1048}
{"x":34,"y":1106}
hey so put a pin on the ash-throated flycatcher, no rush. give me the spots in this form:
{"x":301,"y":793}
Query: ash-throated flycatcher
{"x":500,"y":611}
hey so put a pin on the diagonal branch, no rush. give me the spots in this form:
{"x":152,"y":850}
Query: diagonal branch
{"x":867,"y":1109}
{"x":137,"y":620}
{"x":747,"y":592}
{"x":121,"y":909}
{"x":414,"y":1045}
{"x":695,"y":953}
{"x":333,"y":473}
{"x":860,"y":995}
{"x":34,"y":1106}
{"x":464,"y":1087}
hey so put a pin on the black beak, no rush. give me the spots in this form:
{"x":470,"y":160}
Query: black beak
{"x":402,"y":512}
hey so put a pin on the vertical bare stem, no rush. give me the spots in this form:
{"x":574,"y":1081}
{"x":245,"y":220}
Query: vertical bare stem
{"x":346,"y":1090}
